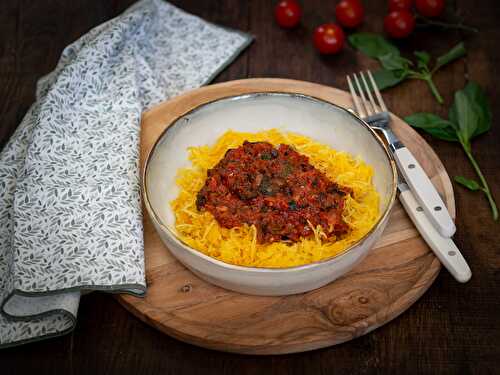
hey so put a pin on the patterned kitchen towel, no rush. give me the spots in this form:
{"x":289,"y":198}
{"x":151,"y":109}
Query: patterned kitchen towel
{"x":70,"y":211}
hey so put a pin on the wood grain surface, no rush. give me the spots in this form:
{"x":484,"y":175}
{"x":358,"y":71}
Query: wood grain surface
{"x":393,"y":276}
{"x":451,"y":329}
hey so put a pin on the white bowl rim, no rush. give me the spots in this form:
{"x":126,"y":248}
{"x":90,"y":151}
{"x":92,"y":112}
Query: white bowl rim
{"x":302,"y":267}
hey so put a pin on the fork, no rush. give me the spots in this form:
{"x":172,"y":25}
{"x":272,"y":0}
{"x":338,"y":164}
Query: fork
{"x":443,"y":246}
{"x":417,"y":179}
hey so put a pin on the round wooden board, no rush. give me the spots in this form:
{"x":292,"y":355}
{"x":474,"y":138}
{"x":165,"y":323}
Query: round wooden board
{"x":398,"y":270}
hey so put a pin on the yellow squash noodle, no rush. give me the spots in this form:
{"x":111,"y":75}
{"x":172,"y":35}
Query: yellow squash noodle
{"x":238,"y":245}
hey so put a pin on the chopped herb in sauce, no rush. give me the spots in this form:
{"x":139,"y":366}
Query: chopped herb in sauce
{"x":275,"y":189}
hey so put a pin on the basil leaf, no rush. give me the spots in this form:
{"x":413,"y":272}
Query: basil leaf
{"x":391,"y":61}
{"x":481,"y":106}
{"x":372,"y":45}
{"x":465,"y":116}
{"x":387,"y":78}
{"x":477,"y":96}
{"x":453,"y":54}
{"x":469,"y":184}
{"x":423,"y":59}
{"x":434,"y":125}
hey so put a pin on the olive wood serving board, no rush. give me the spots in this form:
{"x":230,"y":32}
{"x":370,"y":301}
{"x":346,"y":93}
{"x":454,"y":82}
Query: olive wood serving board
{"x":398,"y":270}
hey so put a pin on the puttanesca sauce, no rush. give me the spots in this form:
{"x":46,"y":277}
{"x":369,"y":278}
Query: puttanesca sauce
{"x":275,"y":189}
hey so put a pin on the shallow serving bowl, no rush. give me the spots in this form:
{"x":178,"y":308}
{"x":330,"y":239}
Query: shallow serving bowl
{"x":320,"y":120}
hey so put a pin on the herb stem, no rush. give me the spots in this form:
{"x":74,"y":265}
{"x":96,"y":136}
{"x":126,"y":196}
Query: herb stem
{"x":434,"y":89}
{"x":486,"y":188}
{"x":446,"y":25}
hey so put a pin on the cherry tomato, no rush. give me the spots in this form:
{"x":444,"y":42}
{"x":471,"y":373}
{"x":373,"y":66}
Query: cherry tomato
{"x":328,"y":38}
{"x":400,"y":5}
{"x":349,"y":13}
{"x":287,"y":13}
{"x":399,"y":24}
{"x":430,"y":8}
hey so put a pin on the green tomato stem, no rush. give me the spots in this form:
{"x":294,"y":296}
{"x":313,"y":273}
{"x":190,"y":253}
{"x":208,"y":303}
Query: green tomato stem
{"x":485,"y":188}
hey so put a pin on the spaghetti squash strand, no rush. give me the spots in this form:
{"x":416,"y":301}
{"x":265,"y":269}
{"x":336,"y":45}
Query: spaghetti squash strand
{"x":238,"y":245}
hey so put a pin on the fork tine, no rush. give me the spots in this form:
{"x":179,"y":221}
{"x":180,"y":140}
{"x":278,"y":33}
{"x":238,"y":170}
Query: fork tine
{"x":355,"y":98}
{"x":377,"y":92}
{"x":363,"y":98}
{"x":368,"y":92}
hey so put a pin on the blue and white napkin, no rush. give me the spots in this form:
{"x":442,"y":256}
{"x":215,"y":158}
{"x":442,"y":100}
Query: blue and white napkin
{"x":70,"y":211}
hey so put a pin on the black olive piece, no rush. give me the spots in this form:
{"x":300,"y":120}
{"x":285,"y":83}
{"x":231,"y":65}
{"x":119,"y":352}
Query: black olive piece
{"x":292,"y":205}
{"x":228,"y":151}
{"x":333,"y":189}
{"x":274,"y":153}
{"x":266,"y":187}
{"x":201,"y":200}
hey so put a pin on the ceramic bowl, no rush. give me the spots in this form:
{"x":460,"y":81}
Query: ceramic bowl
{"x":320,"y":120}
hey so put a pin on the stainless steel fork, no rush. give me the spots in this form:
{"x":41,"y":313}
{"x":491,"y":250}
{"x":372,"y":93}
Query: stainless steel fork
{"x":378,"y":118}
{"x":443,"y":246}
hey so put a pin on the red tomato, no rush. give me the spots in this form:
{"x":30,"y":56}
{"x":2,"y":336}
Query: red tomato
{"x":349,"y":13}
{"x":400,"y":5}
{"x":328,"y":38}
{"x":399,"y":24}
{"x":430,"y":8}
{"x":287,"y":13}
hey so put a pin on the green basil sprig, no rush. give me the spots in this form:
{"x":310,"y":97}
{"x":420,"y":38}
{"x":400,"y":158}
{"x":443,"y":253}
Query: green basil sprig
{"x":396,"y":68}
{"x":468,"y":117}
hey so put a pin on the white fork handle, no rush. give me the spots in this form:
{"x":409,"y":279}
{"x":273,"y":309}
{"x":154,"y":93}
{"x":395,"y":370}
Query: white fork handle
{"x":444,"y":248}
{"x":425,"y":192}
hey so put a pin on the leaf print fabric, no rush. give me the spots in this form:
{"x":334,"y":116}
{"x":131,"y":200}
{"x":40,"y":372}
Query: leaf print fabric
{"x":70,"y":210}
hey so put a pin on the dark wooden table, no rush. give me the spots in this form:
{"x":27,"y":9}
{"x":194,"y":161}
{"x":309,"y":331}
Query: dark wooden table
{"x":453,"y":328}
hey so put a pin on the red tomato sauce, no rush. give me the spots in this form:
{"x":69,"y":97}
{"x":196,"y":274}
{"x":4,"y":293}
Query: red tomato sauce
{"x":275,"y":189}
